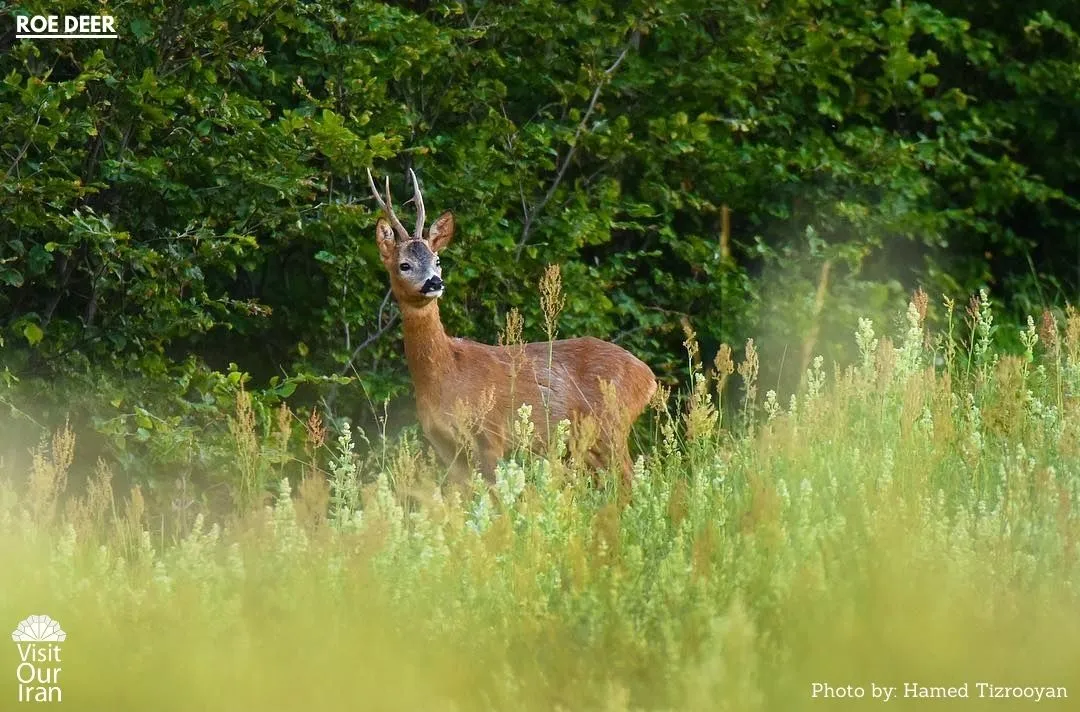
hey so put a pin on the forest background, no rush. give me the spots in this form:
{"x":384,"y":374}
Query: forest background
{"x":184,"y":211}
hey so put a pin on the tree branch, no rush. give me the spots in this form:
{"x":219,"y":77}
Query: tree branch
{"x":26,"y":146}
{"x":372,"y":338}
{"x":530,"y":217}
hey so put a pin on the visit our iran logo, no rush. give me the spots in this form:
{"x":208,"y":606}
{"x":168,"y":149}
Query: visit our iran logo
{"x":38,"y":673}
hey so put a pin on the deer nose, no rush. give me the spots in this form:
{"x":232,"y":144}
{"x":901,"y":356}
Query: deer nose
{"x":435,"y":284}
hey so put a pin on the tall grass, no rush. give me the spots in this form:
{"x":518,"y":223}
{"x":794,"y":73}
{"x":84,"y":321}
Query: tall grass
{"x":909,"y":519}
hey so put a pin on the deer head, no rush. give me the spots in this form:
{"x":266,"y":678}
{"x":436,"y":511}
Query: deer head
{"x":411,"y":260}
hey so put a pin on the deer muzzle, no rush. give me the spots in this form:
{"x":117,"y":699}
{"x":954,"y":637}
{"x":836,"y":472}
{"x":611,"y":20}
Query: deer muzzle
{"x":435,"y":284}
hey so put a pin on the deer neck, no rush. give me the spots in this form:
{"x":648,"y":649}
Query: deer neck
{"x":427,"y":348}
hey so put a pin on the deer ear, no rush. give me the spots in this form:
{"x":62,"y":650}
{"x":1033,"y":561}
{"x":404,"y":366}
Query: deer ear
{"x":384,"y":235}
{"x":442,"y":230}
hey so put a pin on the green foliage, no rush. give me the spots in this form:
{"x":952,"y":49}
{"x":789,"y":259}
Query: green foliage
{"x":193,"y":194}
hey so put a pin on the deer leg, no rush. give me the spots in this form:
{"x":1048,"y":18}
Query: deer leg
{"x":491,"y":446}
{"x":459,"y":470}
{"x":451,"y":455}
{"x":597,"y":459}
{"x":615,"y":458}
{"x":489,"y":458}
{"x":620,"y":457}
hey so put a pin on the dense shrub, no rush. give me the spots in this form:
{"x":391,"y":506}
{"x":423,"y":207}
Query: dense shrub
{"x":193,"y":194}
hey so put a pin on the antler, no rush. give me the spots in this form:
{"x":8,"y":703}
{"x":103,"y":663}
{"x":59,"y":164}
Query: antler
{"x":419,"y":200}
{"x":387,"y":206}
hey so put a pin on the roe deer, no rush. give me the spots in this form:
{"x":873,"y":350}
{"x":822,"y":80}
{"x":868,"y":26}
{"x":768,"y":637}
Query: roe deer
{"x":598,"y":386}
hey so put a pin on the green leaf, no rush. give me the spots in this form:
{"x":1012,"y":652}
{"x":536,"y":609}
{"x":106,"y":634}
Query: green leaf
{"x":143,"y":420}
{"x":33,"y":334}
{"x":141,"y":29}
{"x":10,"y":277}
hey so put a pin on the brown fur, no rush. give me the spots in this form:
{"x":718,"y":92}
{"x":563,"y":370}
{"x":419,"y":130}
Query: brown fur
{"x":564,"y":379}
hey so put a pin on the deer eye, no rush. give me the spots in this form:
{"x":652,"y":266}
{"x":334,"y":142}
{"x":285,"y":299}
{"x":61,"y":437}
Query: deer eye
{"x":404,"y":267}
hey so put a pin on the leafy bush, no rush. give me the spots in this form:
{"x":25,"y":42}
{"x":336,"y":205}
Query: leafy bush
{"x":192,"y":195}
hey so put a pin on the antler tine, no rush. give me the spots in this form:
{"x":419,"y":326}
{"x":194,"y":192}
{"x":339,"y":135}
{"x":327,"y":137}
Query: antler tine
{"x":387,"y":206}
{"x":418,"y":198}
{"x":398,"y":226}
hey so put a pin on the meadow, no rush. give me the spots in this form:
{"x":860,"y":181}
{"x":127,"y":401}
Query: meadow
{"x":908,"y":522}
